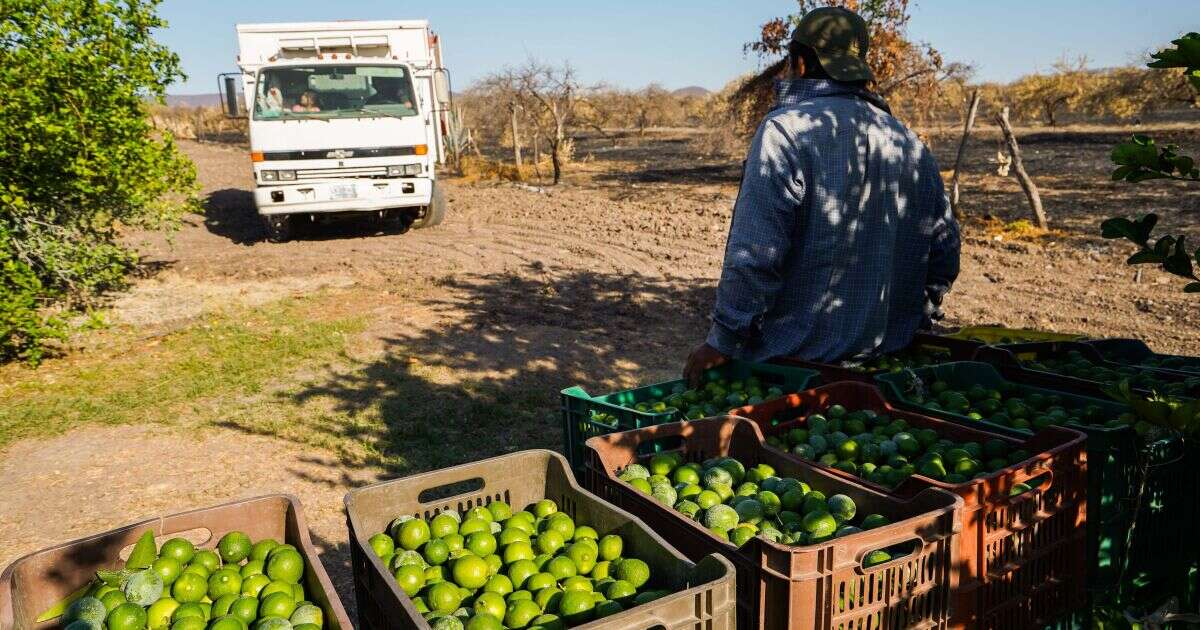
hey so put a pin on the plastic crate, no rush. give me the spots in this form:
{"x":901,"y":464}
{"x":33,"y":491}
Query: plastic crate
{"x":951,"y":349}
{"x":1134,"y":352}
{"x":39,"y":580}
{"x":704,"y":590}
{"x":1113,"y":479}
{"x":578,"y":406}
{"x":1012,"y":361}
{"x":1003,"y":537}
{"x":988,"y":335}
{"x":822,"y":586}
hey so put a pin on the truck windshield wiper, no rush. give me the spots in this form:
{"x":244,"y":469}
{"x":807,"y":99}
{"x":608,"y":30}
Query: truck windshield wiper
{"x":367,"y":110}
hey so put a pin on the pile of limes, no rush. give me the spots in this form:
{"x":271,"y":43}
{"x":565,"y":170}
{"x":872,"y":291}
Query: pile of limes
{"x":737,"y":503}
{"x":898,"y":361}
{"x":1165,"y":362}
{"x":242,"y":584}
{"x":887,"y":451}
{"x":1010,"y":406}
{"x":1075,"y":365}
{"x":716,"y":397}
{"x":491,"y":568}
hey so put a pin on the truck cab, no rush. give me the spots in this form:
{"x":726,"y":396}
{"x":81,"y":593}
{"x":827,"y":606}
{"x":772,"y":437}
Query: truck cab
{"x":344,"y":117}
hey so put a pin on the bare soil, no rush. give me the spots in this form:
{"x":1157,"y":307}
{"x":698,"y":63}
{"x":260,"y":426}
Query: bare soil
{"x":605,"y":280}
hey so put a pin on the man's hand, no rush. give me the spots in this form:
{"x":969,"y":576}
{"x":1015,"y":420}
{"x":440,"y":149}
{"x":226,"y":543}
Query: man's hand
{"x":702,"y":359}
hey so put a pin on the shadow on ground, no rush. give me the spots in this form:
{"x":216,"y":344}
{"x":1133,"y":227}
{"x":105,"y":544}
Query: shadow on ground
{"x":487,"y":381}
{"x":230,"y":213}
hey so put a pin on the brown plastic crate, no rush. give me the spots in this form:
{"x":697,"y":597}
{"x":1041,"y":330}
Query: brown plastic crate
{"x":820,"y":587}
{"x":34,"y":583}
{"x":704,"y":590}
{"x":1004,"y":539}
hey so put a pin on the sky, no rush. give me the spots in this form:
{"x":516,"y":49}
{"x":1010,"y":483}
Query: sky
{"x":677,"y":43}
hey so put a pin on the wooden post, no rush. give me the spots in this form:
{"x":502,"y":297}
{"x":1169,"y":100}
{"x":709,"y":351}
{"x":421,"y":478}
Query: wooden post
{"x":516,"y":135}
{"x":962,"y":148}
{"x":1031,"y":191}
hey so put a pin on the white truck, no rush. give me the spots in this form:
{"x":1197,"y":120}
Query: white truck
{"x":344,"y":117}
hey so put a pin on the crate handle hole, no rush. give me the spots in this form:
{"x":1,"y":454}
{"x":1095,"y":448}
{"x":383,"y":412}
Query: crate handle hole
{"x":197,"y":536}
{"x":896,"y":552}
{"x":1027,"y":488}
{"x":446,"y":491}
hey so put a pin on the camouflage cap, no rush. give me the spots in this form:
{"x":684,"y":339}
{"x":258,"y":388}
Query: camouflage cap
{"x":840,"y":39}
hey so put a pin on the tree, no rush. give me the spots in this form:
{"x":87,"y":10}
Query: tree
{"x":1046,"y":96}
{"x":506,"y":87}
{"x":908,"y":73}
{"x":79,"y":158}
{"x":557,"y":91}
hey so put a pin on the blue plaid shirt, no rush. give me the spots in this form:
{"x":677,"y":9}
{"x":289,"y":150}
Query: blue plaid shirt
{"x":842,"y":242}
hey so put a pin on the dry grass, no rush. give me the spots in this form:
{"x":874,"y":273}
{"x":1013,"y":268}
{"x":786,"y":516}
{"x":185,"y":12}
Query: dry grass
{"x":203,"y":124}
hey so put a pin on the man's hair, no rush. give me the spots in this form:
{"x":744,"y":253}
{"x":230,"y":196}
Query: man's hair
{"x":812,"y":65}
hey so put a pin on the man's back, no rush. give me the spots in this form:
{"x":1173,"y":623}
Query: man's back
{"x":841,"y":229}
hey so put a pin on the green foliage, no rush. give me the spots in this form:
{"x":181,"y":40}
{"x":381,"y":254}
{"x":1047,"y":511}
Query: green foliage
{"x":22,"y":325}
{"x":78,"y":156}
{"x":1140,"y":160}
{"x":1185,"y":54}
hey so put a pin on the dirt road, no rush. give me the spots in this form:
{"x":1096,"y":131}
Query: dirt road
{"x":606,"y":280}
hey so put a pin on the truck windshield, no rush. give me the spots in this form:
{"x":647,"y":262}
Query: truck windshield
{"x":345,"y":91}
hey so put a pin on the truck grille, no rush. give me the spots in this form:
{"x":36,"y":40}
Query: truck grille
{"x":341,"y":173}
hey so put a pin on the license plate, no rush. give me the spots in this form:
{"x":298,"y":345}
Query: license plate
{"x":343,"y":191}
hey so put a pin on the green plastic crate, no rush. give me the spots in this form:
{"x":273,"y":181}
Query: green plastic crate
{"x":578,"y":407}
{"x":1161,"y":544}
{"x":1134,"y":352}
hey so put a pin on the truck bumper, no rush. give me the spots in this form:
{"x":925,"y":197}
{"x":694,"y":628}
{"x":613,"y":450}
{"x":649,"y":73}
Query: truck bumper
{"x":362,"y":195}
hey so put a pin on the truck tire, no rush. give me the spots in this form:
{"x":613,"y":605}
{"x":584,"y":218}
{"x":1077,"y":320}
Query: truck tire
{"x":435,"y":212}
{"x":279,"y":228}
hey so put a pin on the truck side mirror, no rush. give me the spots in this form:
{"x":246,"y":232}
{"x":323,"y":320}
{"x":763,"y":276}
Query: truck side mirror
{"x":227,"y":85}
{"x":441,"y":85}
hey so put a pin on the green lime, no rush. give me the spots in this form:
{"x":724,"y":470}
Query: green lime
{"x":443,"y":525}
{"x":634,"y":571}
{"x":277,"y":586}
{"x":277,"y":605}
{"x":254,"y":584}
{"x":550,"y":541}
{"x":226,"y":581}
{"x":611,"y":547}
{"x":540,"y":581}
{"x":221,"y":606}
{"x":435,"y":552}
{"x":410,"y":578}
{"x":481,"y":544}
{"x":500,"y":511}
{"x":484,"y":622}
{"x":168,"y":569}
{"x":521,"y":613}
{"x":308,"y":614}
{"x":561,"y":567}
{"x":286,"y":565}
{"x":227,"y":622}
{"x":620,"y":590}
{"x":180,"y":550}
{"x":190,"y":609}
{"x":127,"y":616}
{"x":253,"y":567}
{"x":500,"y":584}
{"x":189,"y":623}
{"x":443,"y":597}
{"x":413,"y":534}
{"x":382,"y":544}
{"x":470,"y":572}
{"x":576,"y":606}
{"x":544,"y":508}
{"x":208,"y":559}
{"x":520,"y":571}
{"x":262,"y":549}
{"x":189,"y":588}
{"x":489,"y":603}
{"x":234,"y":547}
{"x":245,"y":608}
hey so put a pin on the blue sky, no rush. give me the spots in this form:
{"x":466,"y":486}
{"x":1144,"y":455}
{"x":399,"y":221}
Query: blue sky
{"x":679,"y":43}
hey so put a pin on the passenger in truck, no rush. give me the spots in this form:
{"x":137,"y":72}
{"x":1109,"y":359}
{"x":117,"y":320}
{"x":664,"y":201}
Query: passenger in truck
{"x":308,"y":103}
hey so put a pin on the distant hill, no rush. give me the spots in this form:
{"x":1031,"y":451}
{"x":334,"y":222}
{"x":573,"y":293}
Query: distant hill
{"x":691,"y":90}
{"x":193,"y":100}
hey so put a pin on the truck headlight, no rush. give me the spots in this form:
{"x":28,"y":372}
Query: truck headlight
{"x":395,"y":171}
{"x":412,"y":169}
{"x":270,"y":176}
{"x":287,"y":176}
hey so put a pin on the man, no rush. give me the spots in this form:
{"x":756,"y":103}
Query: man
{"x":842,"y":243}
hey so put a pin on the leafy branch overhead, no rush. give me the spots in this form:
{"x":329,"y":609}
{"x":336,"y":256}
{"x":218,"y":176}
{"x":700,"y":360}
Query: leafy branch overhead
{"x":1141,"y":160}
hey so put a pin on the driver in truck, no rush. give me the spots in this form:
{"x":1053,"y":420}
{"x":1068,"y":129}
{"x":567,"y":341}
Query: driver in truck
{"x":392,"y":92}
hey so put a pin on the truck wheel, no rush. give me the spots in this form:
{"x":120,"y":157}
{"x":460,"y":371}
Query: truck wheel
{"x":435,"y":212}
{"x":279,"y":228}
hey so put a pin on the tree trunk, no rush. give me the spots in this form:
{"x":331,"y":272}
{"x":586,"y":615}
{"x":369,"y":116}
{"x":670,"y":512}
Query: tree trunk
{"x":516,"y":138}
{"x":554,"y":160}
{"x":962,"y":149}
{"x":1031,"y":191}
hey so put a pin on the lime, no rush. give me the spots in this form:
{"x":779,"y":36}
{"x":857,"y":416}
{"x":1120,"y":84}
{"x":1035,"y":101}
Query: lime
{"x":286,"y":565}
{"x":208,"y":559}
{"x":168,"y":569}
{"x":413,"y":534}
{"x":550,"y":541}
{"x":245,"y":608}
{"x":443,"y":525}
{"x":819,"y":524}
{"x":481,"y":544}
{"x":540,"y":581}
{"x":262,"y":549}
{"x":87,"y":609}
{"x":842,"y":507}
{"x":548,"y":598}
{"x":221,"y":606}
{"x":189,"y":588}
{"x":510,"y":535}
{"x":411,"y":579}
{"x":484,"y":622}
{"x":277,"y":605}
{"x":576,"y":606}
{"x":520,"y":571}
{"x":494,"y":564}
{"x":611,"y":547}
{"x":521,"y":613}
{"x":473,"y":525}
{"x":518,"y":551}
{"x":443,"y":597}
{"x":481,"y":512}
{"x":561,"y":567}
{"x":455,"y":542}
{"x":489,"y":603}
{"x":307,"y":614}
{"x":634,"y":571}
{"x":298,"y":592}
{"x":189,"y":623}
{"x":143,"y":587}
{"x":878,"y":556}
{"x":874,"y":520}
{"x":544,"y":508}
{"x":273,"y":623}
{"x":620,"y":590}
{"x":435,"y":551}
{"x":234,"y":547}
{"x":180,"y":550}
{"x":470,"y":572}
{"x":500,"y":584}
{"x":227,"y":622}
{"x":500,"y":511}
{"x":577,"y":583}
{"x":277,"y":586}
{"x":226,"y":581}
{"x":252,"y":567}
{"x":600,"y":571}
{"x":252,"y":585}
{"x":560,"y":523}
{"x":127,"y":616}
{"x":547,"y":622}
{"x":382,"y":544}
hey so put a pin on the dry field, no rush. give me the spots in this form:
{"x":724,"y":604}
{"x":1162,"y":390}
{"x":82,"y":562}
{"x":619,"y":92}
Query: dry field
{"x":236,"y":367}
